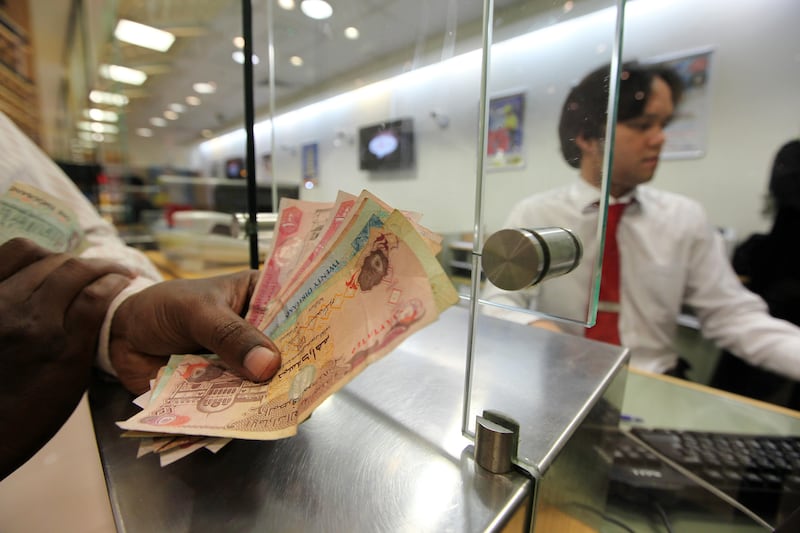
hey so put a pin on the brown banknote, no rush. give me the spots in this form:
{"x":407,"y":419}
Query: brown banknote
{"x":390,"y":288}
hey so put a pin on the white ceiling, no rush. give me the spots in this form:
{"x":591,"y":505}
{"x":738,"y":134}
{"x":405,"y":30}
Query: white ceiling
{"x":396,"y":32}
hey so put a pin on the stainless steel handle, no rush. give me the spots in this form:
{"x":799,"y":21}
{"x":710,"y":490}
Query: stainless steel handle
{"x":513,"y":259}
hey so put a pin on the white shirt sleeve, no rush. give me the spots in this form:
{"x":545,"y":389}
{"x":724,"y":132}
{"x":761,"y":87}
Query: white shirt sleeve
{"x":23,"y":161}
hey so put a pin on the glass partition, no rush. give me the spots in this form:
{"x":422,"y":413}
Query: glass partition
{"x":539,"y":52}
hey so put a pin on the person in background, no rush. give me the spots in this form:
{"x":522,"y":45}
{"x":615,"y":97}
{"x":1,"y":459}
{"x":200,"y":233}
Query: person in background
{"x":670,"y":256}
{"x":769,"y":265}
{"x":109,"y":307}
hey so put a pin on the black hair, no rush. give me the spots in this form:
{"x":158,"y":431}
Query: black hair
{"x":584,"y":110}
{"x":784,"y":183}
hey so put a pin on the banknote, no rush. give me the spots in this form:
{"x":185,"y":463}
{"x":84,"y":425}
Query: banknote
{"x":270,"y":298}
{"x":302,"y":228}
{"x":390,"y":288}
{"x":26,"y":211}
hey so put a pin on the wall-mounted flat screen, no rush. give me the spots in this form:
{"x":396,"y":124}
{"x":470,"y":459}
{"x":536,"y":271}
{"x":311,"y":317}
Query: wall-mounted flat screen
{"x":387,"y":146}
{"x":235,"y":169}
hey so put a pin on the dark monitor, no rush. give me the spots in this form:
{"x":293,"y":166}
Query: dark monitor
{"x":387,"y":146}
{"x":231,"y":197}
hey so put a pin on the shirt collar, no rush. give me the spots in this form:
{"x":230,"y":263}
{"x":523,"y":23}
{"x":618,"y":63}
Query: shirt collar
{"x":588,"y":196}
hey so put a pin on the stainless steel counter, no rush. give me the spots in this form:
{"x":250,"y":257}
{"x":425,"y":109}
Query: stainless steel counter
{"x":386,"y":452}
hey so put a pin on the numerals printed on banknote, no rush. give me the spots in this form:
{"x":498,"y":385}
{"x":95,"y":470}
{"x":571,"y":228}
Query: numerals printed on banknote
{"x":359,"y":287}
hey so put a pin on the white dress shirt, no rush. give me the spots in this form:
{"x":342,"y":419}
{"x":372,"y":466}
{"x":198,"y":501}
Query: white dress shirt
{"x":670,"y":256}
{"x":21,"y":160}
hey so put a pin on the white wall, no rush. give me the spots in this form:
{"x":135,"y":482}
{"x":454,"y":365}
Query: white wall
{"x":755,"y":77}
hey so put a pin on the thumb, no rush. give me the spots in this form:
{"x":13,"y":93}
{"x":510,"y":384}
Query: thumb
{"x":238,"y":343}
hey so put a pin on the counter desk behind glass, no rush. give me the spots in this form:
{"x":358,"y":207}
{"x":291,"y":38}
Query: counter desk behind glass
{"x":656,"y":401}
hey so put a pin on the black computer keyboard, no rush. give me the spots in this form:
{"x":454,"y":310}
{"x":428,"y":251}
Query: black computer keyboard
{"x":759,"y":471}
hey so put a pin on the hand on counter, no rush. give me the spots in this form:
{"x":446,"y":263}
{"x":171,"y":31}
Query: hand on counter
{"x":53,"y":306}
{"x":187,"y":316}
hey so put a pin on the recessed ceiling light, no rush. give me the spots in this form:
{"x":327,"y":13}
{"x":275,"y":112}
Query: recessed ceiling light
{"x":103,"y":97}
{"x":143,"y":35}
{"x":123,"y":74}
{"x":288,"y":5}
{"x":238,"y":41}
{"x":178,"y":108}
{"x":170,"y":114}
{"x":316,"y":9}
{"x":144,"y":132}
{"x":158,"y":122}
{"x":351,"y":33}
{"x":297,"y":61}
{"x":205,"y":87}
{"x":238,"y":56}
{"x":193,"y":100}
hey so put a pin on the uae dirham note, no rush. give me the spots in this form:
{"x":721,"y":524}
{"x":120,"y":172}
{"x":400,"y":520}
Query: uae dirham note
{"x":373,"y":282}
{"x":26,"y":211}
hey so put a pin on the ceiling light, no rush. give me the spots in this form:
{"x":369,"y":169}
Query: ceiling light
{"x":100,"y":115}
{"x":238,"y":56}
{"x":205,"y":87}
{"x":297,"y":61}
{"x":158,"y":122}
{"x":123,"y":74}
{"x":316,"y":9}
{"x":193,"y":100}
{"x":144,"y":36}
{"x":103,"y":97}
{"x":178,"y":108}
{"x":170,"y":114}
{"x":207,"y":134}
{"x":238,"y":41}
{"x":288,"y":5}
{"x":96,"y":127}
{"x":351,"y":33}
{"x":144,"y":132}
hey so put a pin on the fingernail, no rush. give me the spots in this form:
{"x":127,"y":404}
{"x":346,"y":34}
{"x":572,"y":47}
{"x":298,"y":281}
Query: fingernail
{"x":260,"y":362}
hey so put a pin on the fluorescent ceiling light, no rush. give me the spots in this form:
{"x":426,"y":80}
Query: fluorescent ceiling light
{"x":97,"y":127}
{"x":238,"y":56}
{"x":351,"y":32}
{"x":144,"y":36}
{"x":297,"y":61}
{"x":103,"y":97}
{"x":100,"y":115}
{"x":316,"y":9}
{"x":205,"y":87}
{"x":123,"y":74}
{"x":288,"y":5}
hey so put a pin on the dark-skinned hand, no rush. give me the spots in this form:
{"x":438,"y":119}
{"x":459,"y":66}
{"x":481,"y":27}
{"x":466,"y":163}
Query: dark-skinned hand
{"x":189,"y":316}
{"x":52,"y":307}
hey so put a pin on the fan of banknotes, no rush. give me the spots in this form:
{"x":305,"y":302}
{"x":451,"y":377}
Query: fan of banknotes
{"x":344,"y":284}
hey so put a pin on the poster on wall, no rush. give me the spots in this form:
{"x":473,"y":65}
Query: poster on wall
{"x":309,"y":155}
{"x":687,"y":133}
{"x":266,"y":168}
{"x":504,"y":140}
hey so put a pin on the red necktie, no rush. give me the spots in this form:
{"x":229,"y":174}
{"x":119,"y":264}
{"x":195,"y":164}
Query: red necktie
{"x":606,"y":329}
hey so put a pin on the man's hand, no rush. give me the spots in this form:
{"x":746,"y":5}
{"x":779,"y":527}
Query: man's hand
{"x":186,"y":316}
{"x":52,"y":307}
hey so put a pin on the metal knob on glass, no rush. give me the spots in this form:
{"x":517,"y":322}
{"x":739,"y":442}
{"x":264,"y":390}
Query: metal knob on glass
{"x":513,"y":259}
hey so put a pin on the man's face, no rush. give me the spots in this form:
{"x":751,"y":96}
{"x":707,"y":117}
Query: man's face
{"x":638,"y":141}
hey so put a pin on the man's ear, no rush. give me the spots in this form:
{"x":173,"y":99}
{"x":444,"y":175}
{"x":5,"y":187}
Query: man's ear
{"x":588,"y":145}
